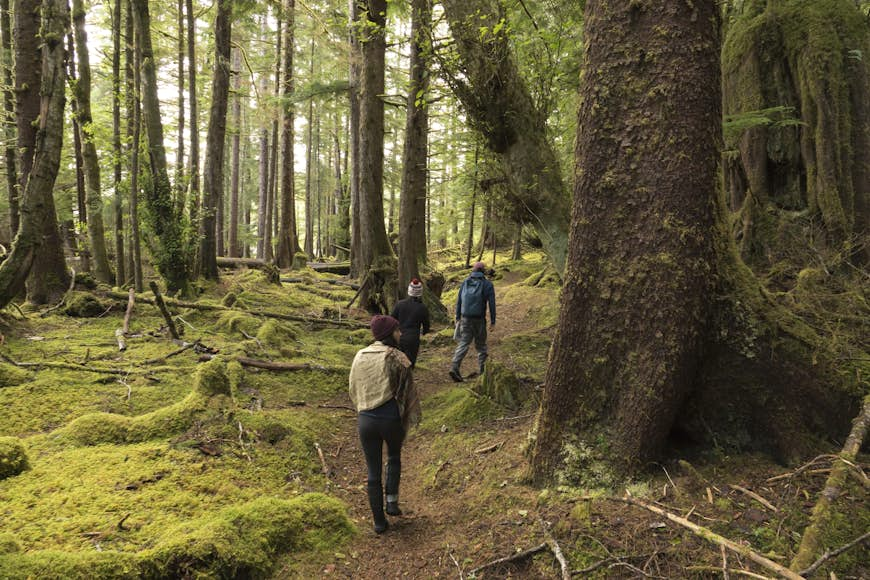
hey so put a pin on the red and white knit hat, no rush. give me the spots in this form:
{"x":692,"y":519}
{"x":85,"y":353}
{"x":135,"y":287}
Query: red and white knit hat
{"x":415,"y":288}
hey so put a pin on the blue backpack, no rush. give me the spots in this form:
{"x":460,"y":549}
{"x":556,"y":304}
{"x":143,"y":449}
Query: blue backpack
{"x":472,"y":297}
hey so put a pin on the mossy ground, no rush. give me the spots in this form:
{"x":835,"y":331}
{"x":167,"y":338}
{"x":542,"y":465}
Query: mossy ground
{"x":149,"y":472}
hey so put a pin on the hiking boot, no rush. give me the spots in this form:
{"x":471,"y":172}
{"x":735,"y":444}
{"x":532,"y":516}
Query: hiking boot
{"x":393,"y":508}
{"x":454,"y":374}
{"x":376,"y":502}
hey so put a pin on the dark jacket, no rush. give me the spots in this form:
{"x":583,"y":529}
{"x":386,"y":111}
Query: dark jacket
{"x":411,"y":314}
{"x":488,"y":297}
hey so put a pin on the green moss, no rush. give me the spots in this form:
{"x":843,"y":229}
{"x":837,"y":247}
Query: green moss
{"x":238,"y":542}
{"x":11,"y":376}
{"x":211,"y":379}
{"x":13,"y":457}
{"x":9,"y":544}
{"x":83,"y":305}
{"x":457,"y":407}
{"x":501,"y":385}
{"x":233,"y":321}
{"x":274,"y":333}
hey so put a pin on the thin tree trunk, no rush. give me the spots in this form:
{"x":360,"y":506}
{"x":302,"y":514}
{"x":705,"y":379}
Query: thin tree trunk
{"x":470,"y":242}
{"x":37,"y":205}
{"x":309,"y":154}
{"x":116,"y":144}
{"x":357,"y":268}
{"x":180,"y":186}
{"x":263,"y":189}
{"x":134,"y":127}
{"x":193,"y":187}
{"x":341,"y":236}
{"x":412,"y":231}
{"x":169,"y":250}
{"x":214,"y":160}
{"x":288,"y":240}
{"x":517,"y":252}
{"x":317,"y":189}
{"x":236,"y":151}
{"x":9,"y":115}
{"x":273,"y":159}
{"x":82,"y":91}
{"x":83,"y":250}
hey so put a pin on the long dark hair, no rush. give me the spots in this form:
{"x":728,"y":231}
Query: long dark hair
{"x":390,"y":341}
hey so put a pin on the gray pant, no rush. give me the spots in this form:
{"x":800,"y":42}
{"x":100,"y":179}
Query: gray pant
{"x":471,"y":329}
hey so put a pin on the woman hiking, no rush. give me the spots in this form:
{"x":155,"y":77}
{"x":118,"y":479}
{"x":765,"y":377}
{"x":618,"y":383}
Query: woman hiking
{"x":382,"y":390}
{"x":413,"y":317}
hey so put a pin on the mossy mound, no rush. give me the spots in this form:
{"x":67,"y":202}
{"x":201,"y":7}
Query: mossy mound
{"x":83,"y":305}
{"x":11,"y":376}
{"x":501,"y":384}
{"x":9,"y":544}
{"x":13,"y":457}
{"x":232,"y":321}
{"x":238,"y":542}
{"x":274,"y":333}
{"x":457,"y":407}
{"x":210,"y":396}
{"x":300,"y":260}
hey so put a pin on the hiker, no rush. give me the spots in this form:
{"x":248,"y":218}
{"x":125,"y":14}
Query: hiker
{"x":412,"y":315}
{"x":382,"y":390}
{"x":474,"y":294}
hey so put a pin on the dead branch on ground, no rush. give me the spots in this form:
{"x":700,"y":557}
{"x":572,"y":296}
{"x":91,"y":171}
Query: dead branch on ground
{"x":131,"y":300}
{"x":158,"y":299}
{"x":557,"y":550}
{"x":511,"y":559}
{"x":326,"y":471}
{"x":833,"y":554}
{"x":756,"y":497}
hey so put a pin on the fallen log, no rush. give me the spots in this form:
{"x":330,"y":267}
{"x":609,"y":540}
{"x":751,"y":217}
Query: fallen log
{"x":822,"y":512}
{"x":158,"y":299}
{"x":263,"y":313}
{"x":341,"y":268}
{"x":269,"y":365}
{"x":351,"y":285}
{"x":223,"y":262}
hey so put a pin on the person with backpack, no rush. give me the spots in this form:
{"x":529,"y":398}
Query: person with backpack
{"x":474,"y":295}
{"x":413,"y":316}
{"x":382,"y":390}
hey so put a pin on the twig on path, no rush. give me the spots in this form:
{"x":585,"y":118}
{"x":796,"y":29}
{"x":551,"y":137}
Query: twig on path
{"x":458,"y":567}
{"x":800,"y":469}
{"x":746,"y":573}
{"x":326,"y":471}
{"x":725,"y":575}
{"x":756,"y":497}
{"x":833,"y":554}
{"x":557,"y":550}
{"x":512,"y":558}
{"x":517,"y":418}
{"x":121,"y":525}
{"x":343,"y":407}
{"x":489,"y":448}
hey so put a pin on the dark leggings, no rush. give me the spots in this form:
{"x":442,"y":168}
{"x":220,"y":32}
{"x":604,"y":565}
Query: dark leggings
{"x":373,"y":433}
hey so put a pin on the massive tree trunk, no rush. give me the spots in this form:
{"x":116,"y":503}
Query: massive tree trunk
{"x":805,"y":56}
{"x":213,"y":179}
{"x":168,"y":251}
{"x":94,"y":197}
{"x":376,"y":259}
{"x":412,"y":214}
{"x":9,"y":114}
{"x":37,"y":207}
{"x":116,"y":143}
{"x":499,"y":105}
{"x":661,"y":326}
{"x":288,"y":239}
{"x":48,"y":278}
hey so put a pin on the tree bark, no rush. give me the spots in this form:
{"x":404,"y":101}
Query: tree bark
{"x":180,"y":187}
{"x":288,"y":240}
{"x":169,"y":248}
{"x":37,"y":208}
{"x":94,"y":197}
{"x":500,"y":106}
{"x":637,"y":288}
{"x":412,"y":213}
{"x":341,"y":231}
{"x":355,"y":76}
{"x":308,"y":242}
{"x":273,"y":158}
{"x":9,"y":112}
{"x":235,"y":167}
{"x":116,"y":144}
{"x":81,"y":191}
{"x":263,"y":189}
{"x":375,"y":253}
{"x":134,"y":129}
{"x":193,"y":187}
{"x":213,"y":179}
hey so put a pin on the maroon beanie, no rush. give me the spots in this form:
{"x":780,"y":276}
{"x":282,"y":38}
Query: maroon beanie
{"x":479,"y":266}
{"x":383,"y":326}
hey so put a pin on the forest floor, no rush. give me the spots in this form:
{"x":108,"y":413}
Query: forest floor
{"x":127,"y":478}
{"x":466,"y":505}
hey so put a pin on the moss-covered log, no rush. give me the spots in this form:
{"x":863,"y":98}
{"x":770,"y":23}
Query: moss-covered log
{"x":811,"y":58}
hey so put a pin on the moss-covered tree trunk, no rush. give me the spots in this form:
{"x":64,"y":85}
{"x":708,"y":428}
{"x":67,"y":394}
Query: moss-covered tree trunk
{"x":8,"y":122}
{"x":500,"y":106}
{"x":412,"y":211}
{"x":35,"y":209}
{"x":169,"y":249}
{"x":662,"y":327}
{"x":811,"y":57}
{"x":93,"y":189}
{"x":376,"y":258}
{"x":213,"y":174}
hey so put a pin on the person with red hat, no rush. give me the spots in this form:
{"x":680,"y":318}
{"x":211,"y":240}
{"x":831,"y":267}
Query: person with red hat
{"x":413,"y":316}
{"x":474,"y":295}
{"x":383,"y":392}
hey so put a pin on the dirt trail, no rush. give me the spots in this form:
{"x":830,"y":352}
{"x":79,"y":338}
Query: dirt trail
{"x":453,"y":518}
